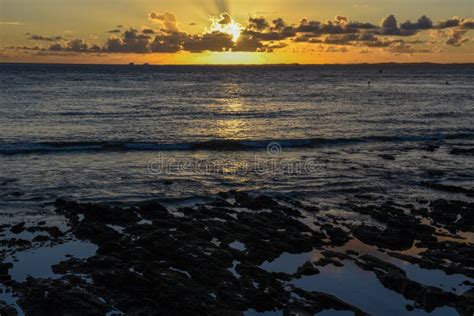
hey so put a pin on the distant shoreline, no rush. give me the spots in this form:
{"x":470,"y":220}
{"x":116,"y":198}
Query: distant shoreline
{"x":246,"y":65}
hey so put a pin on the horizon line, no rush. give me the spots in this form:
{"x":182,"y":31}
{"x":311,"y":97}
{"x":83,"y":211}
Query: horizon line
{"x":233,"y":65}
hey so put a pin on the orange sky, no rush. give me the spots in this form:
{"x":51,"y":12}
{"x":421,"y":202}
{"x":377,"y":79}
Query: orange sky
{"x":231,"y":32}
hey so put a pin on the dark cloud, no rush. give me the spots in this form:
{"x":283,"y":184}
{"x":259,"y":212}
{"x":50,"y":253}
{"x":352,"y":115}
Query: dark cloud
{"x":44,"y":38}
{"x":225,"y":18}
{"x":247,"y":43}
{"x":340,"y":25}
{"x":456,"y":22}
{"x":260,"y":35}
{"x":148,"y":31}
{"x":390,"y":26}
{"x":213,"y":42}
{"x":258,"y":24}
{"x":168,"y":43}
{"x":423,"y":23}
{"x":168,"y":20}
{"x":457,"y":38}
{"x":349,"y":39}
{"x":131,"y":42}
{"x":76,"y":46}
{"x":467,"y":24}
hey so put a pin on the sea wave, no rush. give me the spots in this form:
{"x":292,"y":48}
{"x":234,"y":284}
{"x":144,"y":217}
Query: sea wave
{"x":18,"y":148}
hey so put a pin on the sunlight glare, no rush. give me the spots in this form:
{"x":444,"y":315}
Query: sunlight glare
{"x":233,"y":28}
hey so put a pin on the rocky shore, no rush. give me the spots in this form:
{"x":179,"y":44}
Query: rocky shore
{"x":213,"y":258}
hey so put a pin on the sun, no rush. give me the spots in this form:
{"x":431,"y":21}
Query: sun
{"x":226,"y":24}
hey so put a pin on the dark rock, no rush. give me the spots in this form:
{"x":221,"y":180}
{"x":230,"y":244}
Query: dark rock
{"x":307,"y":269}
{"x":462,"y":151}
{"x":260,"y":202}
{"x":337,"y":235}
{"x":7,"y":310}
{"x":18,"y":228}
{"x":455,"y":215}
{"x":449,"y":188}
{"x":41,"y":238}
{"x":45,"y":297}
{"x":390,"y":238}
{"x":387,"y":156}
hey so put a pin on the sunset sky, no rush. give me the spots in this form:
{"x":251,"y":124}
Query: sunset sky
{"x":235,"y":32}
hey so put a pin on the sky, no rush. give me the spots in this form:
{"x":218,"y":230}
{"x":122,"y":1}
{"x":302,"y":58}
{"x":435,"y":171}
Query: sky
{"x":236,"y":32}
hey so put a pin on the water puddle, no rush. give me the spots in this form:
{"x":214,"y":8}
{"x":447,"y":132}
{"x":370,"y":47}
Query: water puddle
{"x":37,"y":262}
{"x":362,"y":289}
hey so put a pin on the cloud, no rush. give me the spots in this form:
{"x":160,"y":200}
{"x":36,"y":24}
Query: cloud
{"x":390,"y":26}
{"x":225,"y":19}
{"x":262,"y":35}
{"x":332,"y":49}
{"x":258,"y":24}
{"x":457,"y":38}
{"x":456,"y":22}
{"x":76,"y":46}
{"x":44,"y":38}
{"x":404,"y":48}
{"x":10,"y":23}
{"x":423,"y":23}
{"x":168,"y":43}
{"x":168,"y":20}
{"x":148,"y":31}
{"x":214,"y":42}
{"x":131,"y":42}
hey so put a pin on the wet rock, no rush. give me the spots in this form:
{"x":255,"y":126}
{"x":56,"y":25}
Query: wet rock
{"x":390,"y":238}
{"x":338,"y":236}
{"x":41,"y":238}
{"x":369,"y":262}
{"x":46,"y":297}
{"x":455,"y":215}
{"x":260,"y":202}
{"x":429,"y":298}
{"x":7,"y":310}
{"x":18,"y":228}
{"x":316,"y":302}
{"x":449,"y":188}
{"x":307,"y":269}
{"x":387,"y":156}
{"x":462,"y":151}
{"x":4,"y":274}
{"x":52,"y":231}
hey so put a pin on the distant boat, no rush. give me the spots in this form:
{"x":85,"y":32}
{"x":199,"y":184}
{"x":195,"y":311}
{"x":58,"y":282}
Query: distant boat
{"x":146,"y":64}
{"x":131,"y":64}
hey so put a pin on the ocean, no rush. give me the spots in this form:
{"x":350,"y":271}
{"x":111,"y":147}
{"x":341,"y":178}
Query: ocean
{"x":92,"y":132}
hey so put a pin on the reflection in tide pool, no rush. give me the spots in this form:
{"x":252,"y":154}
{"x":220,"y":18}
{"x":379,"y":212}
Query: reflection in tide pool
{"x":37,"y":263}
{"x":363,"y":290}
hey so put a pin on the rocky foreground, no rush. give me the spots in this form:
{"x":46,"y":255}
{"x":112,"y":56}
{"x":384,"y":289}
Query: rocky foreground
{"x":156,"y":261}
